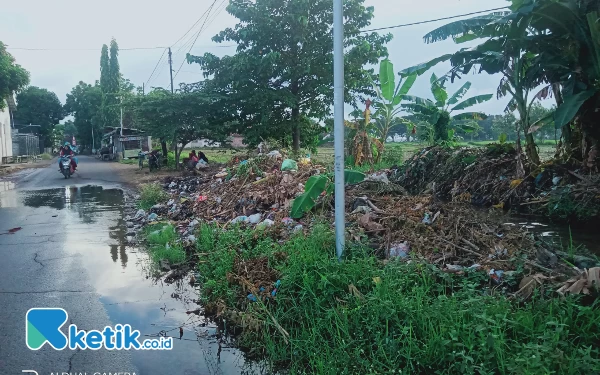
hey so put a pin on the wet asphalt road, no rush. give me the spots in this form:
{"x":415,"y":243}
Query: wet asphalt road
{"x":71,"y":253}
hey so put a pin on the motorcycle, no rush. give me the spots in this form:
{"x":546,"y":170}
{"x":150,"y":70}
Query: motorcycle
{"x":154,"y":161}
{"x":65,"y":166}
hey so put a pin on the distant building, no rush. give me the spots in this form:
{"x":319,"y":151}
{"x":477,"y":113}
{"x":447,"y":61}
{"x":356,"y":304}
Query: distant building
{"x":6,"y":145}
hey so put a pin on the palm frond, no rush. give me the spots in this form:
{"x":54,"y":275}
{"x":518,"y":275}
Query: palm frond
{"x":419,"y":100}
{"x":454,"y":29}
{"x":470,"y":116}
{"x":472,"y":101}
{"x":459,"y":93}
{"x":423,"y":67}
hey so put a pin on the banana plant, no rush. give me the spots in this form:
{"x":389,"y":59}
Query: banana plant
{"x":389,"y":95}
{"x":439,"y":112}
{"x":317,"y":186}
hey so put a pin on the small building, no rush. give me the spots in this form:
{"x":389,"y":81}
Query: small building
{"x":127,"y":145}
{"x":6,"y":146}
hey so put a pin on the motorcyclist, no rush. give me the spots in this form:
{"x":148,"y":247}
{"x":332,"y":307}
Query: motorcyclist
{"x":66,"y":150}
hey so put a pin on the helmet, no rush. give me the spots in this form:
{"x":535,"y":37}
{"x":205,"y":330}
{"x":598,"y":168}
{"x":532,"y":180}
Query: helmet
{"x":67,"y":144}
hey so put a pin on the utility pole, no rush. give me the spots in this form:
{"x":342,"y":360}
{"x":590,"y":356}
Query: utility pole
{"x":171,"y":69}
{"x":143,"y":88}
{"x":338,"y":132}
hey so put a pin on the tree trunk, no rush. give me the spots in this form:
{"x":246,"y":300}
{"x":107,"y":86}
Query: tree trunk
{"x":296,"y":129}
{"x":530,"y":148}
{"x":295,"y":86}
{"x":165,"y":152}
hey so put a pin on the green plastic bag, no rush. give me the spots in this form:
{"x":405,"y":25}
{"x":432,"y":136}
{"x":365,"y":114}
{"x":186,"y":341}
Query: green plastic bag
{"x":289,"y":165}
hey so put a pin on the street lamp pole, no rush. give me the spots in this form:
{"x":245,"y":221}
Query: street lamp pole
{"x":338,"y":133}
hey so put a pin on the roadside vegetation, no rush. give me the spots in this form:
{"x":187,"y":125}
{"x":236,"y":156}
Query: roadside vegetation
{"x":368,"y":316}
{"x":151,"y":194}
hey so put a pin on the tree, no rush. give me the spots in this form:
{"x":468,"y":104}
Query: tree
{"x":110,"y":81}
{"x":505,"y":124}
{"x":388,"y":103}
{"x":282,"y":73}
{"x":85,"y":104}
{"x":183,"y":116}
{"x":438,"y":112}
{"x":555,"y":43}
{"x":39,"y":106}
{"x":13,"y":78}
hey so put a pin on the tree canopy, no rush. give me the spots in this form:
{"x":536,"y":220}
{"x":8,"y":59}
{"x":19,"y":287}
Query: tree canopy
{"x":110,"y":84}
{"x":85,"y":104}
{"x":13,"y":77}
{"x":282,"y":73}
{"x":39,"y":106}
{"x":182,"y":117}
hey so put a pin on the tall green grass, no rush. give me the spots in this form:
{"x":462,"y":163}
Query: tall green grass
{"x":162,"y":244}
{"x":151,"y":194}
{"x":365,"y":317}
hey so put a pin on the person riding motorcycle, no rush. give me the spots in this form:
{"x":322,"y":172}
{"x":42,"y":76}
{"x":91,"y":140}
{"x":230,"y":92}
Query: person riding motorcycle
{"x":66,"y":150}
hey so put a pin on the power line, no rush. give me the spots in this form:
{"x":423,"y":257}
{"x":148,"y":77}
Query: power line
{"x":158,"y":63}
{"x":435,"y":20}
{"x":190,"y":29}
{"x":81,"y":49}
{"x":97,"y":49}
{"x":198,"y":34}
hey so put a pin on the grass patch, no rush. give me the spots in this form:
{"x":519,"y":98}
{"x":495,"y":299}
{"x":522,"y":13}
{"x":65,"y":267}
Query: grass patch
{"x":151,"y":194}
{"x":365,"y":317}
{"x":129,"y":161}
{"x":161,"y":239}
{"x":46,"y":156}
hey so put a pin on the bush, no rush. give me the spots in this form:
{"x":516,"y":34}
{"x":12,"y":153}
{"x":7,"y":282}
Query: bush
{"x":365,"y":317}
{"x":150,"y":195}
{"x":393,"y":155}
{"x":46,"y":156}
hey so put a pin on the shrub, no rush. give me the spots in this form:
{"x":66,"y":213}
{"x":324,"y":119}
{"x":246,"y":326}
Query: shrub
{"x":393,"y":156}
{"x":46,"y":156}
{"x":150,"y":195}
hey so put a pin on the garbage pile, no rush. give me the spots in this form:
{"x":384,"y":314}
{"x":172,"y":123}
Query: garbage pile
{"x":256,"y":191}
{"x":482,"y":176}
{"x":259,"y":192}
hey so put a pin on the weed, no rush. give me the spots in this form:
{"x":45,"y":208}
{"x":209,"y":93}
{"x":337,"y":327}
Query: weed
{"x":365,"y":317}
{"x":150,"y":195}
{"x":161,"y":239}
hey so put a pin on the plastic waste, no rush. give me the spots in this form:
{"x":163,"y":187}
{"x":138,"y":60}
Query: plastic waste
{"x":496,"y":275}
{"x":379,"y":177}
{"x":556,"y":180}
{"x":298,"y":228}
{"x":172,"y":185}
{"x":254,"y":219}
{"x":427,"y":218}
{"x":140,"y":214}
{"x":191,"y":238}
{"x":239,"y":219}
{"x":287,"y":221}
{"x":289,"y":165}
{"x":202,"y":198}
{"x":244,"y":162}
{"x":265,"y":224}
{"x":171,"y":202}
{"x":454,"y":267}
{"x":252,"y":297}
{"x":193,"y":223}
{"x":399,"y":250}
{"x":152,"y":217}
{"x":274,"y":154}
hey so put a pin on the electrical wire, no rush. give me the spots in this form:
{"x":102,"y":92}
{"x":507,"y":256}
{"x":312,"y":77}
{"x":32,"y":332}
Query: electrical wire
{"x":434,"y":20}
{"x":198,"y":35}
{"x":81,"y":49}
{"x":157,"y":64}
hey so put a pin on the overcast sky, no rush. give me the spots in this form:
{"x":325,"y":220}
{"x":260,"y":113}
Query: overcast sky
{"x":76,"y":24}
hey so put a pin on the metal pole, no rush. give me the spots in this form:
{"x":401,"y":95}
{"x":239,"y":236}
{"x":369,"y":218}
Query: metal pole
{"x":171,"y":70}
{"x":338,"y":133}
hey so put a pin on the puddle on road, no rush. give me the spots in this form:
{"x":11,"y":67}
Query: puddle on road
{"x":96,"y":231}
